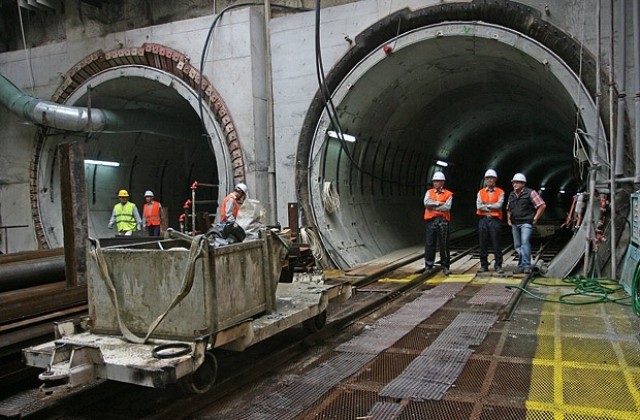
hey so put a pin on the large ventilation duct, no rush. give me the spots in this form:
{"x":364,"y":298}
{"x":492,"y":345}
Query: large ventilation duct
{"x":83,"y":119}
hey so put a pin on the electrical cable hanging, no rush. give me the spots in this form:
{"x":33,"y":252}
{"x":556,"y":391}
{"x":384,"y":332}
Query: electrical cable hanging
{"x":330,"y":197}
{"x":332,"y":113}
{"x":308,"y":236}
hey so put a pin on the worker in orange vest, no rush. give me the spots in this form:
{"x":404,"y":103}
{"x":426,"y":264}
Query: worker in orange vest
{"x":437,"y":214}
{"x":231,"y":203}
{"x":151,"y":214}
{"x":489,"y":203}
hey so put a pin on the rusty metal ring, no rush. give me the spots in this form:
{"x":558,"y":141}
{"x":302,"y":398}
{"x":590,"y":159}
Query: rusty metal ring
{"x":180,"y":349}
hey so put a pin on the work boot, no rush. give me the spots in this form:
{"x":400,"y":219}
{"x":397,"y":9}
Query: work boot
{"x":499,"y":269}
{"x":527,"y":270}
{"x":483,"y":270}
{"x":446,"y":271}
{"x":427,"y":268}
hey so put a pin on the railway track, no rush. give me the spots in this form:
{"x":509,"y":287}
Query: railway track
{"x":374,"y":299}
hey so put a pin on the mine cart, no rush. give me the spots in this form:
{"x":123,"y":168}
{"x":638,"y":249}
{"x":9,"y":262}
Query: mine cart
{"x":158,"y":309}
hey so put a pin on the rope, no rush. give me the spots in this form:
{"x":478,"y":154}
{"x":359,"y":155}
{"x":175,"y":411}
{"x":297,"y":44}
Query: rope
{"x":330,"y":197}
{"x":197,"y":246}
{"x":308,"y":236}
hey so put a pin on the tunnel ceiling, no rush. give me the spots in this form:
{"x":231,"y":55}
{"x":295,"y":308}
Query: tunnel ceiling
{"x":475,"y":98}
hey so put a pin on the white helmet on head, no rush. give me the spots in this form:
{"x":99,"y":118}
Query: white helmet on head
{"x":490,"y":174}
{"x":149,"y":193}
{"x":438,"y":176}
{"x":242,"y":188}
{"x":519,"y":177}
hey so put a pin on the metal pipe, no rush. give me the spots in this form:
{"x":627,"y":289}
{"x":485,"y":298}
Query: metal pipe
{"x":271,"y":170}
{"x":636,"y":49}
{"x":612,"y":147}
{"x":15,"y":276}
{"x":622,"y":74}
{"x":82,"y":119}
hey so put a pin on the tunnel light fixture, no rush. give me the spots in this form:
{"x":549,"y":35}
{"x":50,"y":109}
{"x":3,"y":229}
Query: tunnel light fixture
{"x":101,"y":162}
{"x":561,"y":191}
{"x":347,"y":137}
{"x":442,"y":163}
{"x":542,"y":188}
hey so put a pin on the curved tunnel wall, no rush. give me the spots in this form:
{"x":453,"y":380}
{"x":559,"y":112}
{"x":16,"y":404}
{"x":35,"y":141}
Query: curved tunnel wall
{"x":153,"y":78}
{"x":472,"y":94}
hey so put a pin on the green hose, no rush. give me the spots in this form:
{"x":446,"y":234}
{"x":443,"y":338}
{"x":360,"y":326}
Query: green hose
{"x":634,"y":291}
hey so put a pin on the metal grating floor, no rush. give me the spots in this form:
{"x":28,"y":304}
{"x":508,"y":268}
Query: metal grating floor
{"x":549,"y":362}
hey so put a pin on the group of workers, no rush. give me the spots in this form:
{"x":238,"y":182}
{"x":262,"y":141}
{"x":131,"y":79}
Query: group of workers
{"x":524,"y":209}
{"x":126,"y":218}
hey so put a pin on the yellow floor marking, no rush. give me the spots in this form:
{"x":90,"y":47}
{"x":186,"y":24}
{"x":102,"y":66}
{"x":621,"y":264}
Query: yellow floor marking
{"x":612,"y":385}
{"x":453,"y":278}
{"x":399,"y":280}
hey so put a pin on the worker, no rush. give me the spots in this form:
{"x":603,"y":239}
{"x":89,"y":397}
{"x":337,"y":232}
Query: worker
{"x":489,"y":203}
{"x":231,"y":203}
{"x":437,"y":208}
{"x":125,"y":216}
{"x":524,"y":209}
{"x":151,"y":214}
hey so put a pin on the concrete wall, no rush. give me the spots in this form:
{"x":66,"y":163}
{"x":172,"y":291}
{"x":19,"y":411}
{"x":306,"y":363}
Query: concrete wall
{"x":235,"y":66}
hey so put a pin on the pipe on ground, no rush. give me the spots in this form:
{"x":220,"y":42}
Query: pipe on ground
{"x":20,"y":275}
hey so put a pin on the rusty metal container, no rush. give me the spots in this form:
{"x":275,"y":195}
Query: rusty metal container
{"x":231,"y":284}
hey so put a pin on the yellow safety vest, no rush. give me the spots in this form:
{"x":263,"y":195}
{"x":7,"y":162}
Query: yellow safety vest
{"x":125,"y":220}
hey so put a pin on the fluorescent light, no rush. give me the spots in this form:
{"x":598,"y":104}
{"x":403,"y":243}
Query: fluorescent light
{"x":101,"y":162}
{"x":561,"y":191}
{"x":542,"y":188}
{"x":346,"y":137}
{"x":442,"y":163}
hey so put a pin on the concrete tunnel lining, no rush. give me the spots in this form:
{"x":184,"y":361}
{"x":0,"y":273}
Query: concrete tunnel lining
{"x":154,"y":162}
{"x":486,"y":96}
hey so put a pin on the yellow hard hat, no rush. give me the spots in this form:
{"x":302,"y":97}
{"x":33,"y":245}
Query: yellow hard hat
{"x":123,"y":193}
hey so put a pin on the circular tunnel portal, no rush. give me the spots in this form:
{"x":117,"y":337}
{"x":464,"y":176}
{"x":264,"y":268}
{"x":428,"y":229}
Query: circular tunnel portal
{"x":166,"y":159}
{"x":456,"y":97}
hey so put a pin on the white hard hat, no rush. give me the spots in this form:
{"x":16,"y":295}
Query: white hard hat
{"x":148,"y":193}
{"x":438,"y":176}
{"x":519,"y":177}
{"x":490,"y":173}
{"x":242,"y":187}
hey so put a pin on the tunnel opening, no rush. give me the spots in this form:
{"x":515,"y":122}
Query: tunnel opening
{"x":460,"y":97}
{"x":166,"y":163}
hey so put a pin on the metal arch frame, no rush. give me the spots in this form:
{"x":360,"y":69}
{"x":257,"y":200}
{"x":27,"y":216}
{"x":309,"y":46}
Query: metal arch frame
{"x":574,"y":87}
{"x":168,"y":67}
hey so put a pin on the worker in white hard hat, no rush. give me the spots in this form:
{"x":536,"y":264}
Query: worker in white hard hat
{"x":524,"y":209}
{"x":489,"y":201}
{"x":151,"y":214}
{"x":125,"y":216}
{"x":437,"y":215}
{"x":231,"y":203}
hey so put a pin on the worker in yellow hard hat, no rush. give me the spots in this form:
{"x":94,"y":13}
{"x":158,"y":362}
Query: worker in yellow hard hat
{"x":125,"y":216}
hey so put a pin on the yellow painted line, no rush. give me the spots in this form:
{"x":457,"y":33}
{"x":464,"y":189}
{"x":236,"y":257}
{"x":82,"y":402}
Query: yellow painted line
{"x":399,"y":280}
{"x":581,"y":388}
{"x":453,"y":278}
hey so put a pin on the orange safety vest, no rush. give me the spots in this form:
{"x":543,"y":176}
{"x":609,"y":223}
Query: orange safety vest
{"x":430,"y":213}
{"x":488,"y":199}
{"x":223,"y":206}
{"x":151,"y":213}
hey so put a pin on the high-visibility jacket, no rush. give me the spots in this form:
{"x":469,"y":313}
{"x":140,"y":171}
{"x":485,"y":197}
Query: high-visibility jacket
{"x":487,"y":198}
{"x":223,"y":207}
{"x":443,"y":196}
{"x":151,"y":213}
{"x":125,"y":219}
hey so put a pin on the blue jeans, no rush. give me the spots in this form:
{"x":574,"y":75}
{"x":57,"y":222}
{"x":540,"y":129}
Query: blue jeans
{"x":522,"y":243}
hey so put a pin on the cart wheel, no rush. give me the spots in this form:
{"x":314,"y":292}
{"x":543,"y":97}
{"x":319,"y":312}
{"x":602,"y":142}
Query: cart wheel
{"x":315,"y":324}
{"x":203,"y":378}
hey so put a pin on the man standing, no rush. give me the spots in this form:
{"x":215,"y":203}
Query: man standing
{"x":230,"y":205}
{"x":125,"y":216}
{"x":151,"y":214}
{"x":524,"y":209}
{"x":489,"y":207}
{"x":437,"y":208}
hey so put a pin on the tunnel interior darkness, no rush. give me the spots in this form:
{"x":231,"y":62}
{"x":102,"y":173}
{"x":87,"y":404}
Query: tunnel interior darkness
{"x":474,"y":101}
{"x":147,"y":161}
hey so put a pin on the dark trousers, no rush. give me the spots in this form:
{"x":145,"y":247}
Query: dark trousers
{"x":489,"y":231}
{"x":437,"y":229}
{"x":153,"y":230}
